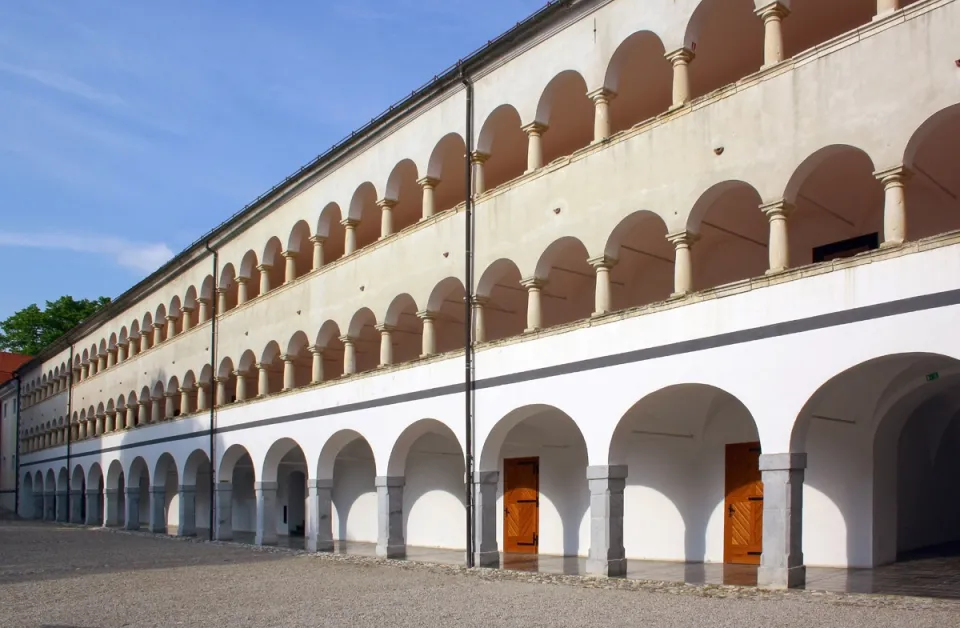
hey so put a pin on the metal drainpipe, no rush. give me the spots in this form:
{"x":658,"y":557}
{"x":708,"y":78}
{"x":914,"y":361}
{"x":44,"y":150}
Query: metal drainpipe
{"x":69,"y":431}
{"x":213,"y":390}
{"x":468,"y":314}
{"x":16,"y":486}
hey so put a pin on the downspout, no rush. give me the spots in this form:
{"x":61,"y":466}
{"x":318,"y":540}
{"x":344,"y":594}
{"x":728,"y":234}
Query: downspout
{"x":69,"y":432}
{"x":16,"y":486}
{"x":213,"y":388}
{"x":468,"y":314}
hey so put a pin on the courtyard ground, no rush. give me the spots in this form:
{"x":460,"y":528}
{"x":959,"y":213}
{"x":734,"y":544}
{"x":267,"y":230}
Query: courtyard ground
{"x":68,"y":576}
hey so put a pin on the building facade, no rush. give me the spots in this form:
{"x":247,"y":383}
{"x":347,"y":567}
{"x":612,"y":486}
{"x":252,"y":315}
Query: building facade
{"x":715,"y":253}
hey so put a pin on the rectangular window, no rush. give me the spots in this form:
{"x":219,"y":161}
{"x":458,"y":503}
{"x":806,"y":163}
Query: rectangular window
{"x":846,"y":248}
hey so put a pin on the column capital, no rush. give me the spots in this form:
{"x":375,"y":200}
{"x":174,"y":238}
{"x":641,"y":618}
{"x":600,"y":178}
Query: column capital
{"x":426,"y":315}
{"x":776,"y":209}
{"x":238,"y":373}
{"x":603,"y":261}
{"x":480,"y":300}
{"x":602,"y":95}
{"x":203,"y":300}
{"x":316,"y":349}
{"x":683,"y":238}
{"x":778,"y":9}
{"x":386,"y":203}
{"x":263,"y":268}
{"x":429,"y":182}
{"x":345,"y":339}
{"x":607,"y":472}
{"x":265,"y":486}
{"x":391,"y":481}
{"x":187,"y":389}
{"x":318,"y":239}
{"x":146,"y":402}
{"x":783,"y":462}
{"x":287,"y":357}
{"x":478,"y":158}
{"x":110,"y":412}
{"x":288,"y":254}
{"x":171,"y":317}
{"x":237,"y":279}
{"x":535,"y":128}
{"x":533,"y":283}
{"x":170,"y":394}
{"x":159,"y":325}
{"x":386,"y":328}
{"x":893,"y":176}
{"x":349,"y":222}
{"x":260,"y":366}
{"x":680,"y":56}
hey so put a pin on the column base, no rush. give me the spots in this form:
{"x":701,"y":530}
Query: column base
{"x":781,"y":577}
{"x":319,"y":546}
{"x":487,"y":559}
{"x":890,"y":245}
{"x":186,"y":532}
{"x":615,"y":568}
{"x":678,"y":295}
{"x":392,"y":551}
{"x":774,"y":271}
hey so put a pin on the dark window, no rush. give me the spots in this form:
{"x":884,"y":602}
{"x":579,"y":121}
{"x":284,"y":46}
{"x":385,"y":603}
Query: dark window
{"x":846,"y":248}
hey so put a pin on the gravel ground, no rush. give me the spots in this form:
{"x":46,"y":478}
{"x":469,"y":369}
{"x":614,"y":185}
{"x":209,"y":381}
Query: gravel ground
{"x":67,"y":576}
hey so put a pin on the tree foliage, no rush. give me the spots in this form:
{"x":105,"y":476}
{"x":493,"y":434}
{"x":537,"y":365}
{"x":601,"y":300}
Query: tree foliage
{"x":31,"y":329}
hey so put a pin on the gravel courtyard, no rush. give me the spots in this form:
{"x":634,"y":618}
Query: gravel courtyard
{"x":66,"y":576}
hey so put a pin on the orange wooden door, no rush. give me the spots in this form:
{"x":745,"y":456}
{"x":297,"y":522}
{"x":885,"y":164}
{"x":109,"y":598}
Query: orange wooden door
{"x":743,"y":528}
{"x":521,"y":505}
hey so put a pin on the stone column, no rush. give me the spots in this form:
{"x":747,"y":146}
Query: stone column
{"x":263,"y":380}
{"x":316,"y":372}
{"x":241,"y":385}
{"x":222,"y":300}
{"x":477,"y":159}
{"x":111,"y":507}
{"x":38,"y":512}
{"x":101,"y":363}
{"x":110,"y":422}
{"x":601,"y":113}
{"x":895,"y":207}
{"x":145,"y":415}
{"x":111,"y":358}
{"x":533,"y":286}
{"x":428,"y":345}
{"x":486,"y":551}
{"x":169,"y":405}
{"x":241,"y":291}
{"x":772,"y":15}
{"x":187,"y":524}
{"x":99,"y":424}
{"x":203,"y":310}
{"x":781,"y":564}
{"x":386,"y":206}
{"x":85,"y":371}
{"x":158,"y":514}
{"x":132,"y":508}
{"x":94,"y":510}
{"x":144,"y":340}
{"x":428,"y":185}
{"x":185,"y":400}
{"x":779,"y":243}
{"x":479,"y":326}
{"x":221,"y":397}
{"x":386,"y":344}
{"x":156,"y":414}
{"x":319,"y":519}
{"x":186,"y":314}
{"x":350,"y":235}
{"x":317,"y":251}
{"x":171,"y":327}
{"x":289,"y":266}
{"x":390,"y":543}
{"x":76,"y":506}
{"x":223,"y":525}
{"x":534,"y":133}
{"x":62,"y":506}
{"x":606,"y":556}
{"x":265,"y":278}
{"x":683,"y":264}
{"x":81,"y":430}
{"x":266,"y":513}
{"x":49,"y":507}
{"x":132,"y":346}
{"x":886,"y":7}
{"x":289,"y":374}
{"x":122,"y":352}
{"x":603,"y":301}
{"x":131,"y":417}
{"x":349,"y":355}
{"x":158,"y":333}
{"x":202,"y":396}
{"x":680,"y":59}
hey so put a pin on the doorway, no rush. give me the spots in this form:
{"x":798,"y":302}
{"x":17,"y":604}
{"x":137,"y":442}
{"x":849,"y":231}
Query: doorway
{"x":743,"y":506}
{"x":521,"y":505}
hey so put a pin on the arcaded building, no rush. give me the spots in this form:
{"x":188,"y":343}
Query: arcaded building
{"x":671,"y":280}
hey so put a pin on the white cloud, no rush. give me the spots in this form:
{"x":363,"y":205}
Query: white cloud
{"x":140,"y":256}
{"x":66,"y":84}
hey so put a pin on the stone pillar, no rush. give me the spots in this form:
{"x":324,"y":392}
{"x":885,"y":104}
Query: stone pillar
{"x":62,"y":506}
{"x":601,"y":114}
{"x":49,"y":507}
{"x":886,"y":7}
{"x":603,"y":302}
{"x":895,"y":207}
{"x":680,"y":59}
{"x":76,"y":506}
{"x":477,"y":159}
{"x":223,"y":525}
{"x":111,"y":502}
{"x":390,"y":543}
{"x":317,"y":251}
{"x":781,"y":564}
{"x":486,"y":551}
{"x":145,"y":415}
{"x":479,"y":326}
{"x":535,"y":133}
{"x":158,"y":333}
{"x":241,"y":291}
{"x":265,"y":278}
{"x":319,"y":519}
{"x":122,"y":352}
{"x":38,"y":512}
{"x":169,"y":406}
{"x":683,"y":264}
{"x":101,"y":363}
{"x":158,"y":514}
{"x":386,"y":206}
{"x":241,"y":385}
{"x":144,"y":340}
{"x":85,"y":371}
{"x":131,"y":417}
{"x":779,"y":243}
{"x":99,"y":424}
{"x":386,"y":344}
{"x":221,"y":397}
{"x":533,"y":286}
{"x":81,"y":430}
{"x":94,"y":512}
{"x":349,"y":355}
{"x":202,"y":396}
{"x":266,"y":513}
{"x":156,"y":414}
{"x":110,"y":422}
{"x":316,"y":372}
{"x":772,"y":15}
{"x":132,"y":508}
{"x":171,"y":327}
{"x":289,"y":374}
{"x":186,"y":313}
{"x":203,"y":310}
{"x":187,"y":524}
{"x":185,"y":400}
{"x":111,"y":358}
{"x":350,"y":235}
{"x":428,"y":345}
{"x":606,"y":556}
{"x":428,"y":185}
{"x":289,"y":266}
{"x":222,"y":300}
{"x":263,"y":380}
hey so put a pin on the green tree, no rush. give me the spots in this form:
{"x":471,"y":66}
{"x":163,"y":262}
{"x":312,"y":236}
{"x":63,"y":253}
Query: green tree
{"x":31,"y":329}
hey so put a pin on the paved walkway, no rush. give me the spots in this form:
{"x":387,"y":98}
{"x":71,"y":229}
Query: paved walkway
{"x":68,"y":576}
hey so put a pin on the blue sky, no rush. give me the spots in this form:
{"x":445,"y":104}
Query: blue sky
{"x":128,"y":129}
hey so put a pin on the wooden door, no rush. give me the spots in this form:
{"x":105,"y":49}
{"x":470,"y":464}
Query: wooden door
{"x":743,"y":528}
{"x":521,"y":505}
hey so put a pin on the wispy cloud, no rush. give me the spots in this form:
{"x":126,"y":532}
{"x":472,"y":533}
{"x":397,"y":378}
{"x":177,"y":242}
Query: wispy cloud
{"x":139,"y":256}
{"x":65,"y":84}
